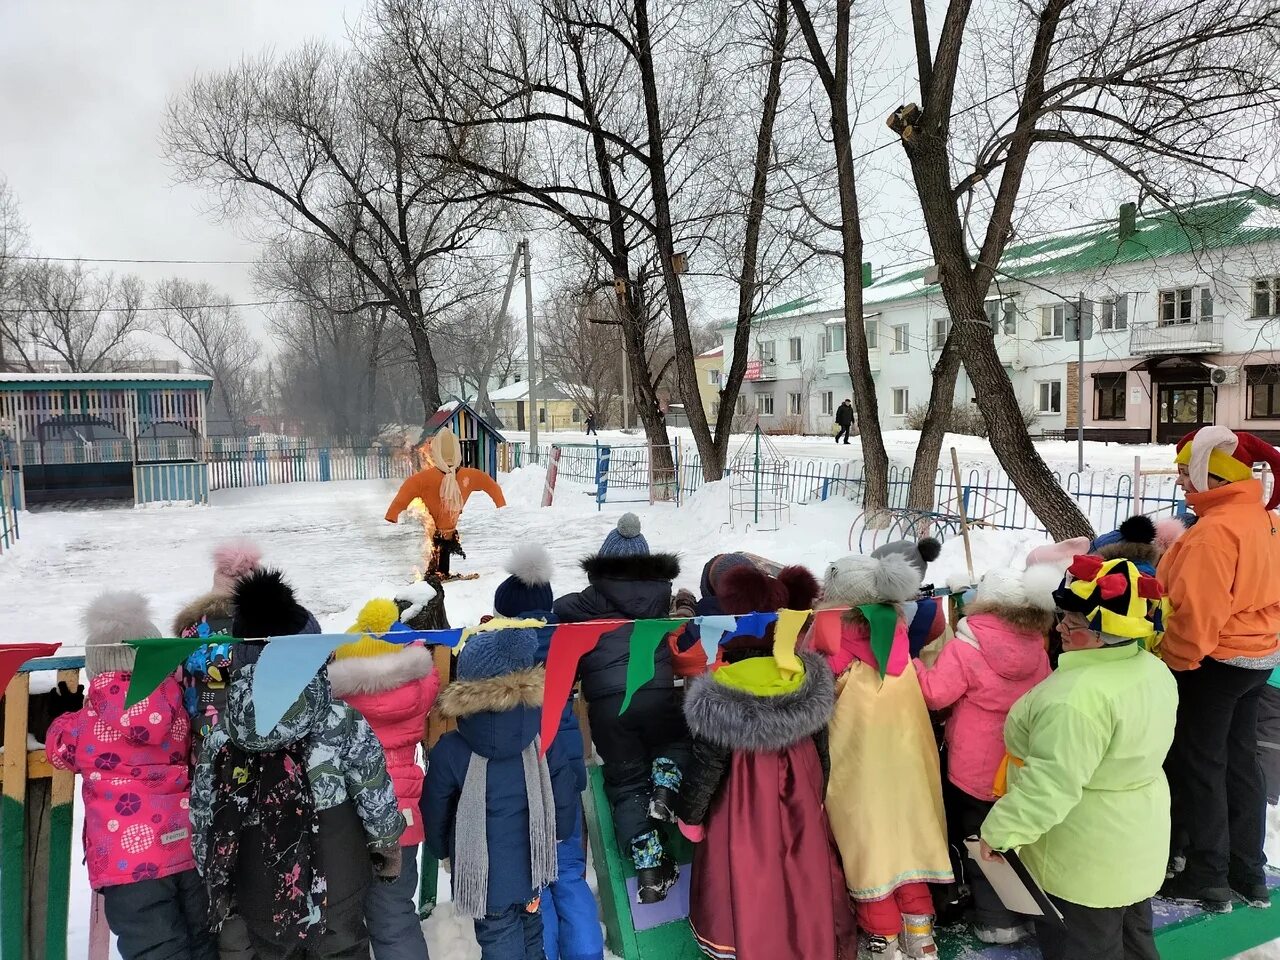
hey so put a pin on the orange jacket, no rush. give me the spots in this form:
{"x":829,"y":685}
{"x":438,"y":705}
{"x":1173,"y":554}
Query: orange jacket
{"x":425,"y":484}
{"x":1223,"y":580}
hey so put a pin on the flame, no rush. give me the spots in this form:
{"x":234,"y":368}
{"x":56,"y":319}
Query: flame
{"x":418,"y":510}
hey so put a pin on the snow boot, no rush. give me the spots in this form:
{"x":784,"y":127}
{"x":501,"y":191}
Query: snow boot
{"x":872,"y":947}
{"x":666,"y":784}
{"x":916,"y":938}
{"x":1003,"y":936}
{"x":1255,"y":895}
{"x":654,"y":883}
{"x":1208,"y":899}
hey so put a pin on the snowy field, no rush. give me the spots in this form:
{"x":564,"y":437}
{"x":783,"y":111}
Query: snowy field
{"x":335,"y":548}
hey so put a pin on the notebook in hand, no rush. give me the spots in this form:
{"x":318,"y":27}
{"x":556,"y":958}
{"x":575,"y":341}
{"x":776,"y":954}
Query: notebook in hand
{"x":1014,"y":885}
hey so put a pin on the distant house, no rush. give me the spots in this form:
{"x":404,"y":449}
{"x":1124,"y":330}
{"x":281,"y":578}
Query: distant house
{"x":557,"y":410}
{"x":710,"y":372}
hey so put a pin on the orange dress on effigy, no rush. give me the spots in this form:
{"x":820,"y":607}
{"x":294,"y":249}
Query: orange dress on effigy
{"x":425,"y":485}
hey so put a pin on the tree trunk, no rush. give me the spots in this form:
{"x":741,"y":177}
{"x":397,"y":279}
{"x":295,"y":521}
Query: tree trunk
{"x":425,"y":363}
{"x":942,"y":394}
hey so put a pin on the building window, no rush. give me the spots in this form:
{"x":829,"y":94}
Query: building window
{"x":741,"y":404}
{"x":901,"y":339}
{"x":793,"y":404}
{"x":828,"y":403}
{"x":1108,"y":396}
{"x":1053,"y":320}
{"x":873,"y":334}
{"x":715,"y":377}
{"x":1264,"y":393}
{"x":941,"y":329}
{"x":1266,"y":297}
{"x":901,"y":401}
{"x":1113,"y":313}
{"x":542,"y":415}
{"x":576,"y":416}
{"x":1185,"y":305}
{"x":1002,"y":313}
{"x":1049,"y":396}
{"x":795,"y":349}
{"x":767,"y":352}
{"x":764,"y":404}
{"x":834,"y":338}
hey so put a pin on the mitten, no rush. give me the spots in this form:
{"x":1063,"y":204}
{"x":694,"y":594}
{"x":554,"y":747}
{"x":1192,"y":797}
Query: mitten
{"x":386,"y":862}
{"x":684,"y":604}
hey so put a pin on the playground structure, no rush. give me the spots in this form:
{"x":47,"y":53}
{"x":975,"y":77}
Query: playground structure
{"x":617,"y":473}
{"x":758,"y":485}
{"x":478,"y":439}
{"x":91,"y":436}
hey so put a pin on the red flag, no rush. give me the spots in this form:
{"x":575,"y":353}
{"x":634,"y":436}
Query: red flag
{"x":568,"y":645}
{"x":824,"y":635}
{"x":12,"y":656}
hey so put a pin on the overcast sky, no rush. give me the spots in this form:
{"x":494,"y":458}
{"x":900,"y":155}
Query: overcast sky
{"x":84,"y":86}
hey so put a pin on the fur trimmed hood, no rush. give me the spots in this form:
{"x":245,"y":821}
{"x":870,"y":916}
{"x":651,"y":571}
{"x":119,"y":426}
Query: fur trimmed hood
{"x":356,"y":675}
{"x":212,"y":606}
{"x":649,"y":566}
{"x":739,"y":720}
{"x":1144,"y":553}
{"x":466,"y":698}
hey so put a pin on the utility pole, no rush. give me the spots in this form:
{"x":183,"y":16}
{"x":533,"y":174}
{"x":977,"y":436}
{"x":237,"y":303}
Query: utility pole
{"x":529,"y":349}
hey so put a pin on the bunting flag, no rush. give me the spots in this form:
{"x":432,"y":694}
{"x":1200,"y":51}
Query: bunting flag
{"x":712,"y":632}
{"x":882,"y":619}
{"x":285,"y":666}
{"x":751,"y":625}
{"x":569,"y":644}
{"x":824,"y":638}
{"x":645,"y":637}
{"x":13,"y":656}
{"x":156,"y":658}
{"x":785,"y":636}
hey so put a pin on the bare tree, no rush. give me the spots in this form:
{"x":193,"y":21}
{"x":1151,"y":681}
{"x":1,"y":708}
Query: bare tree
{"x":319,"y":143}
{"x":581,"y":353}
{"x":478,"y":342}
{"x":203,"y":325}
{"x":13,"y":246}
{"x":1163,"y":92}
{"x":85,"y":319}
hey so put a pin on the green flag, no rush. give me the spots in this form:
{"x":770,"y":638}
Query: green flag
{"x":645,"y":637}
{"x":882,"y":618}
{"x":157,"y":657}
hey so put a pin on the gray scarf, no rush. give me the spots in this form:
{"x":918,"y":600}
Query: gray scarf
{"x":471,"y":842}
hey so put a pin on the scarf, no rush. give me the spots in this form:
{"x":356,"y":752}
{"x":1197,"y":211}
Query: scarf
{"x":271,"y":790}
{"x":471,"y":842}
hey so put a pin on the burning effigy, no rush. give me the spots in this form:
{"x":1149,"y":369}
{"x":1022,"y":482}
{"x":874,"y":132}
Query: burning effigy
{"x":442,"y":488}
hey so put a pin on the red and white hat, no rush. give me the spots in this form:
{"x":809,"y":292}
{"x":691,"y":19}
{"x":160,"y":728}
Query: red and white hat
{"x":1228,"y":455}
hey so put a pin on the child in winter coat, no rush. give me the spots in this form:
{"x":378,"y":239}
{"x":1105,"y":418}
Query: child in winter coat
{"x":136,"y":787}
{"x":998,"y":654}
{"x":766,"y":879}
{"x":641,"y":750}
{"x":291,"y":824}
{"x":885,"y":792}
{"x":394,"y":687}
{"x":570,"y":916}
{"x":493,"y":805}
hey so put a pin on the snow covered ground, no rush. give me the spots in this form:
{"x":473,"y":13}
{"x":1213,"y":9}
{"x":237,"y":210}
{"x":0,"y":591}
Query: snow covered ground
{"x":334,"y":546}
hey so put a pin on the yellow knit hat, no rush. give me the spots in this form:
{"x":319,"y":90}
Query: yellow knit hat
{"x":376,"y":616}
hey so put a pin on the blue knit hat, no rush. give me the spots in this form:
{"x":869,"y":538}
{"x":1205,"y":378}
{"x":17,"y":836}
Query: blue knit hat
{"x":528,"y":589}
{"x":496,"y":653}
{"x":626,"y":540}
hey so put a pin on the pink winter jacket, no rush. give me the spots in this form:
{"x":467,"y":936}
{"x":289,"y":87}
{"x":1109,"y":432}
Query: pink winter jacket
{"x":394,"y":692}
{"x":136,"y":783}
{"x":981,"y":674}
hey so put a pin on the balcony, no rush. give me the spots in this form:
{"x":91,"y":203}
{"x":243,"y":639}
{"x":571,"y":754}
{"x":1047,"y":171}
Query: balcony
{"x":1204,"y":336}
{"x":761,"y":370}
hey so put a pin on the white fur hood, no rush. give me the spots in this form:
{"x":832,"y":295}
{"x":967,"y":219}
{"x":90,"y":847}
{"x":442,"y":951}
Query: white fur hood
{"x":355,"y":675}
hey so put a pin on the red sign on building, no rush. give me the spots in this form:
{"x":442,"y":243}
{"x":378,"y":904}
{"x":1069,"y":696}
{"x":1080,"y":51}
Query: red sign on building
{"x":755,"y":370}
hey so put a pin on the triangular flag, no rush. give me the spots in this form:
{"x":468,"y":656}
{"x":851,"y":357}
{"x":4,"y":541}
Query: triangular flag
{"x":155,"y":658}
{"x":824,"y":638}
{"x":712,"y":629}
{"x":445,"y":638}
{"x":785,"y":636}
{"x":882,"y":618}
{"x":568,"y":645}
{"x":14,"y":655}
{"x":285,"y":667}
{"x":645,"y":637}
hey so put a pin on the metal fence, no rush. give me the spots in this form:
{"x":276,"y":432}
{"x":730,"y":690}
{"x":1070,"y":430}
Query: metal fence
{"x":230,"y":469}
{"x":9,"y":495}
{"x":989,"y":496}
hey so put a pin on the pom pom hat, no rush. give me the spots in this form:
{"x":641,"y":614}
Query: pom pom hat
{"x":1115,"y":597}
{"x":231,"y":561}
{"x":626,"y":540}
{"x":1229,"y":456}
{"x":497,"y":653}
{"x":917,"y":553}
{"x":528,"y":589}
{"x":110,"y":620}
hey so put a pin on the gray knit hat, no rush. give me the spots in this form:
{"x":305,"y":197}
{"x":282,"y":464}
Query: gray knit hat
{"x":109,"y":620}
{"x":626,"y":540}
{"x":917,"y":553}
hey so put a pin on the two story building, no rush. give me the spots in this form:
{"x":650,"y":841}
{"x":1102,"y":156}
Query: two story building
{"x":1181,"y":312}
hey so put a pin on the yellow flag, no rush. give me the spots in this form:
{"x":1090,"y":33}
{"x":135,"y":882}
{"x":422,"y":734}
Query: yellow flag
{"x":785,"y":635}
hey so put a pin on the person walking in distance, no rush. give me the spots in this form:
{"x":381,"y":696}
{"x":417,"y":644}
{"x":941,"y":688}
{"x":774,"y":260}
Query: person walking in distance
{"x":844,"y":420}
{"x":591,"y":425}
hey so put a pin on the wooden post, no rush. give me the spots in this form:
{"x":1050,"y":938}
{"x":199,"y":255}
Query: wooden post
{"x":964,"y":520}
{"x":13,"y":827}
{"x":1137,"y":485}
{"x":61,"y":803}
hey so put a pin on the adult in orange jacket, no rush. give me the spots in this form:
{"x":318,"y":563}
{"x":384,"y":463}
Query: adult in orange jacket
{"x":1223,"y":583}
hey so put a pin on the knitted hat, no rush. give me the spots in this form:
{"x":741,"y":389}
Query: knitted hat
{"x":625,"y":540}
{"x":859,"y":579}
{"x":749,"y":590}
{"x":1030,"y":589}
{"x":1059,"y":554}
{"x":529,"y":586}
{"x":1228,"y":455}
{"x":717,"y":567}
{"x":1115,"y":597}
{"x":109,"y":620}
{"x":497,"y":653}
{"x":376,"y":616}
{"x":263,"y":605}
{"x":1168,"y":530}
{"x":917,"y":553}
{"x":231,"y":561}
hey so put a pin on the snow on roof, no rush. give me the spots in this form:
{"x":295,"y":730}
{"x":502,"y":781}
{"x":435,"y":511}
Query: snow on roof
{"x":42,"y":379}
{"x":547,"y":390}
{"x":717,"y":352}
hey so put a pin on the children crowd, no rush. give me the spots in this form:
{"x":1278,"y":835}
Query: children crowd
{"x":1096,"y":712}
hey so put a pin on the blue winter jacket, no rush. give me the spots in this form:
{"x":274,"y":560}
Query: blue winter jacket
{"x":497,"y":718}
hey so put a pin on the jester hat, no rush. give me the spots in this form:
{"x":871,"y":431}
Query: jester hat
{"x":1228,"y":455}
{"x":1113,"y":595}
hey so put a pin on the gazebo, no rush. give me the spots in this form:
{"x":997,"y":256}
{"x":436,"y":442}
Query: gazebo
{"x":478,"y":437}
{"x":95,"y":436}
